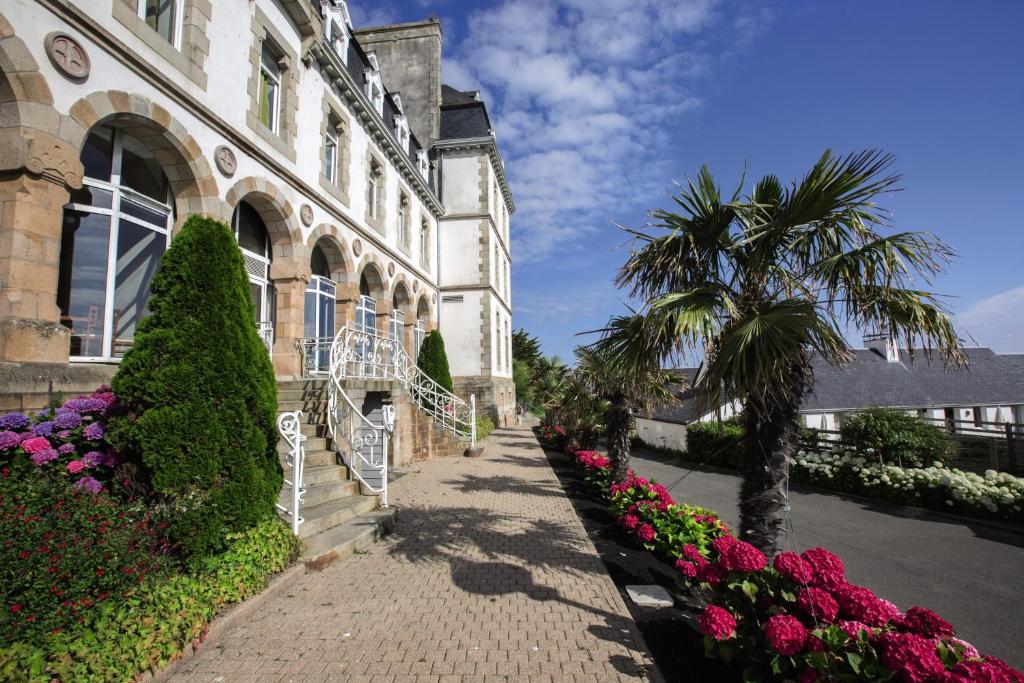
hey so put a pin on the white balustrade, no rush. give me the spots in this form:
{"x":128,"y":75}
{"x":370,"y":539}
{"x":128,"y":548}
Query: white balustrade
{"x":290,"y":427}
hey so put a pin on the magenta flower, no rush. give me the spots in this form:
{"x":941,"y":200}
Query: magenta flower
{"x":94,"y":432}
{"x":89,"y":484}
{"x":817,"y":604}
{"x":75,"y":466}
{"x":794,"y":568}
{"x":9,"y":439}
{"x":35,"y":444}
{"x":717,"y":622}
{"x":829,"y":571}
{"x":40,"y":458}
{"x":785,"y":634}
{"x":646,"y":533}
{"x":912,"y":657}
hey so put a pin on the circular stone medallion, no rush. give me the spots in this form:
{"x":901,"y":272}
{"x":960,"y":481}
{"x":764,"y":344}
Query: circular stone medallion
{"x":306,"y":214}
{"x":68,"y":55}
{"x":416,"y":286}
{"x":357,"y":247}
{"x":225,"y":160}
{"x":391,"y":270}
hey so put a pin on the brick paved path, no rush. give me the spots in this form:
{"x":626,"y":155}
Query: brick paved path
{"x":488,"y":576}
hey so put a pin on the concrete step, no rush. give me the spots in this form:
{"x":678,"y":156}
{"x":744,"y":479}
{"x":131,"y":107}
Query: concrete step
{"x":300,"y":384}
{"x":322,"y":517}
{"x":301,"y":394}
{"x":324,"y":458}
{"x":339,"y":542}
{"x":313,"y":429}
{"x":313,"y":443}
{"x":307,"y":406}
{"x":323,"y":474}
{"x":320,"y":494}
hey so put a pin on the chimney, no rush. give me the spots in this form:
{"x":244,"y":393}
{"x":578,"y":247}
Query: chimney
{"x":410,"y":62}
{"x":880,"y":343}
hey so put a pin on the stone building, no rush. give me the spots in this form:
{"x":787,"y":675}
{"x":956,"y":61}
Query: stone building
{"x":362,"y":190}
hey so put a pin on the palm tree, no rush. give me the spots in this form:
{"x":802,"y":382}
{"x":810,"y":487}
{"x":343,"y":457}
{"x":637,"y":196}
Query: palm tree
{"x":622,"y":392}
{"x":764,"y":281}
{"x":549,"y":380}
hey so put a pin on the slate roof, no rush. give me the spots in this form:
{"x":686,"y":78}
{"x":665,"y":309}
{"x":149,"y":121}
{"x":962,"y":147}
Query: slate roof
{"x":870,"y":380}
{"x":462,"y":115}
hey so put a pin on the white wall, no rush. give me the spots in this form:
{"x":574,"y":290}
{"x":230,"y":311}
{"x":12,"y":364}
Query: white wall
{"x":460,"y":326}
{"x":664,"y":434}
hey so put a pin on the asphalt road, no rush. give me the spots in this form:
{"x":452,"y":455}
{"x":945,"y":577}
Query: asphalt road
{"x":970,"y":574}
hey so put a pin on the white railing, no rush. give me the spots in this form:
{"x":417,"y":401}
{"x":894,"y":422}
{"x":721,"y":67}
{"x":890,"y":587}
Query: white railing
{"x":367,"y":442}
{"x":290,"y":427}
{"x":316,"y":355}
{"x":367,"y":354}
{"x":265,"y":329}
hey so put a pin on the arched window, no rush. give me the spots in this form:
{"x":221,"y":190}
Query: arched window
{"x":115,"y":230}
{"x":318,"y":316}
{"x":254,"y":240}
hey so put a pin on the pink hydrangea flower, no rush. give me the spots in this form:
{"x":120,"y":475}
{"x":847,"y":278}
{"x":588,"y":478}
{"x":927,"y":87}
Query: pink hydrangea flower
{"x":740,"y":556}
{"x":912,"y":657}
{"x":793,"y":567}
{"x":853,"y":628}
{"x":808,"y":675}
{"x":860,"y":604}
{"x":691,"y":552}
{"x":717,"y":622}
{"x":75,"y":466}
{"x":785,"y":634}
{"x":629,"y":521}
{"x":687,"y":569}
{"x":646,"y":533}
{"x":711,"y":573}
{"x":967,"y":651}
{"x":924,"y":622}
{"x":35,"y":444}
{"x":817,"y":604}
{"x":829,"y":571}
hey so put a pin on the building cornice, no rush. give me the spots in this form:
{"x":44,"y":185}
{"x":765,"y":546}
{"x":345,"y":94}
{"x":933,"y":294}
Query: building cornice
{"x":133,"y":61}
{"x":341,"y":80}
{"x":491,"y":145}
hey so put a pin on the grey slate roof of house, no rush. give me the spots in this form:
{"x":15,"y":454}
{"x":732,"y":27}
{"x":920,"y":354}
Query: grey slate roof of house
{"x":870,"y":380}
{"x":462,"y":115}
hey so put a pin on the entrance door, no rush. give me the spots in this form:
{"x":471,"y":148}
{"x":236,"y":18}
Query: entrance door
{"x":319,"y":323}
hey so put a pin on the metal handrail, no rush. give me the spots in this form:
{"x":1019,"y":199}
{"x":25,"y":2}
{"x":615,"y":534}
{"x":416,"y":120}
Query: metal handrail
{"x":360,"y":436}
{"x":290,"y":427}
{"x":366,"y":354}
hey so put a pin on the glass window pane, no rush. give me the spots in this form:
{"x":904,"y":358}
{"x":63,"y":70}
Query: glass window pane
{"x":252,"y":232}
{"x":138,"y":256}
{"x":309,"y":315}
{"x":92,"y":196}
{"x":257,"y":298}
{"x":159,"y":15}
{"x":82,"y":280}
{"x":318,"y":262}
{"x":98,"y":152}
{"x":326,"y":326}
{"x":141,"y":171}
{"x":144,"y":213}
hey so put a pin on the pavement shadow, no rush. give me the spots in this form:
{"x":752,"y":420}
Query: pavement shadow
{"x":472,"y":483}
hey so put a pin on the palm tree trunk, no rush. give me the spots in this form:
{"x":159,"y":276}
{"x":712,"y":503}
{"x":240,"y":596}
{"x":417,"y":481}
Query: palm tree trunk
{"x":620,"y":423}
{"x":770,"y":439}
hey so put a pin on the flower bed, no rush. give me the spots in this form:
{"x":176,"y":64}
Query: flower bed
{"x":796,"y":618}
{"x":996,"y":494}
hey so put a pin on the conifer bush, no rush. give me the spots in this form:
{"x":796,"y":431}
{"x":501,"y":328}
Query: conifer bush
{"x":434,"y":361}
{"x":199,"y":394}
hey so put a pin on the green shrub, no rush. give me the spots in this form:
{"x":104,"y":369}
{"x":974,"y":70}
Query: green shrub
{"x":66,"y":550}
{"x":147,"y":629}
{"x":898,"y":438}
{"x":484,"y":427}
{"x":433,"y":360}
{"x":718,"y":443}
{"x":199,"y":392}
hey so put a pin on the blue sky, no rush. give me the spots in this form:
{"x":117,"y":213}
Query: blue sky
{"x":601,"y":105}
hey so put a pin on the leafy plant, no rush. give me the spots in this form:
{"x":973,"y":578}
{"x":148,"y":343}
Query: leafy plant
{"x":897,"y":438}
{"x":718,"y":443}
{"x":66,"y":550}
{"x":149,"y":627}
{"x":199,"y":392}
{"x":484,"y":427}
{"x":433,"y":360}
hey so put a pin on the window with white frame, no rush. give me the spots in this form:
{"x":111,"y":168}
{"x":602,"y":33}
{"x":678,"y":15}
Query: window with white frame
{"x":336,"y":25}
{"x":270,"y":87}
{"x":164,"y":17}
{"x":330,"y":169}
{"x":423,"y":163}
{"x":403,"y":220}
{"x":402,"y":132}
{"x":373,"y":181}
{"x":424,"y":243}
{"x":374,"y":85}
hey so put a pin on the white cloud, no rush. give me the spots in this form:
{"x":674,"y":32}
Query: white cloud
{"x":584,"y":94}
{"x":997,"y":321}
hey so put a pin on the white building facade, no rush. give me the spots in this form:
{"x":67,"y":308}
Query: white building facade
{"x":121,"y":118}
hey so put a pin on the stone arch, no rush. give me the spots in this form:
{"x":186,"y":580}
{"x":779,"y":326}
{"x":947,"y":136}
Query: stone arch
{"x":424,"y":311}
{"x":401,"y":294}
{"x":188,"y":172}
{"x":336,"y":249}
{"x":375,"y":278}
{"x":275,"y":210}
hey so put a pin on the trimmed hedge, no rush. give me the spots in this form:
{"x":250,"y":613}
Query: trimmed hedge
{"x":149,"y":628}
{"x":484,"y":427}
{"x":898,"y":438}
{"x":719,"y":442}
{"x":433,"y":360}
{"x":199,"y":393}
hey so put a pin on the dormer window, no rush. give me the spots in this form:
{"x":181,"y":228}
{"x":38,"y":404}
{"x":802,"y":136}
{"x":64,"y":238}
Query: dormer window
{"x":402,"y":131}
{"x":422,"y":163}
{"x":374,"y":85}
{"x":337,"y":24}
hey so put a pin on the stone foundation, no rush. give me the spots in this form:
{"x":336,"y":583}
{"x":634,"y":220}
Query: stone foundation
{"x":495,"y":397}
{"x":31,"y":386}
